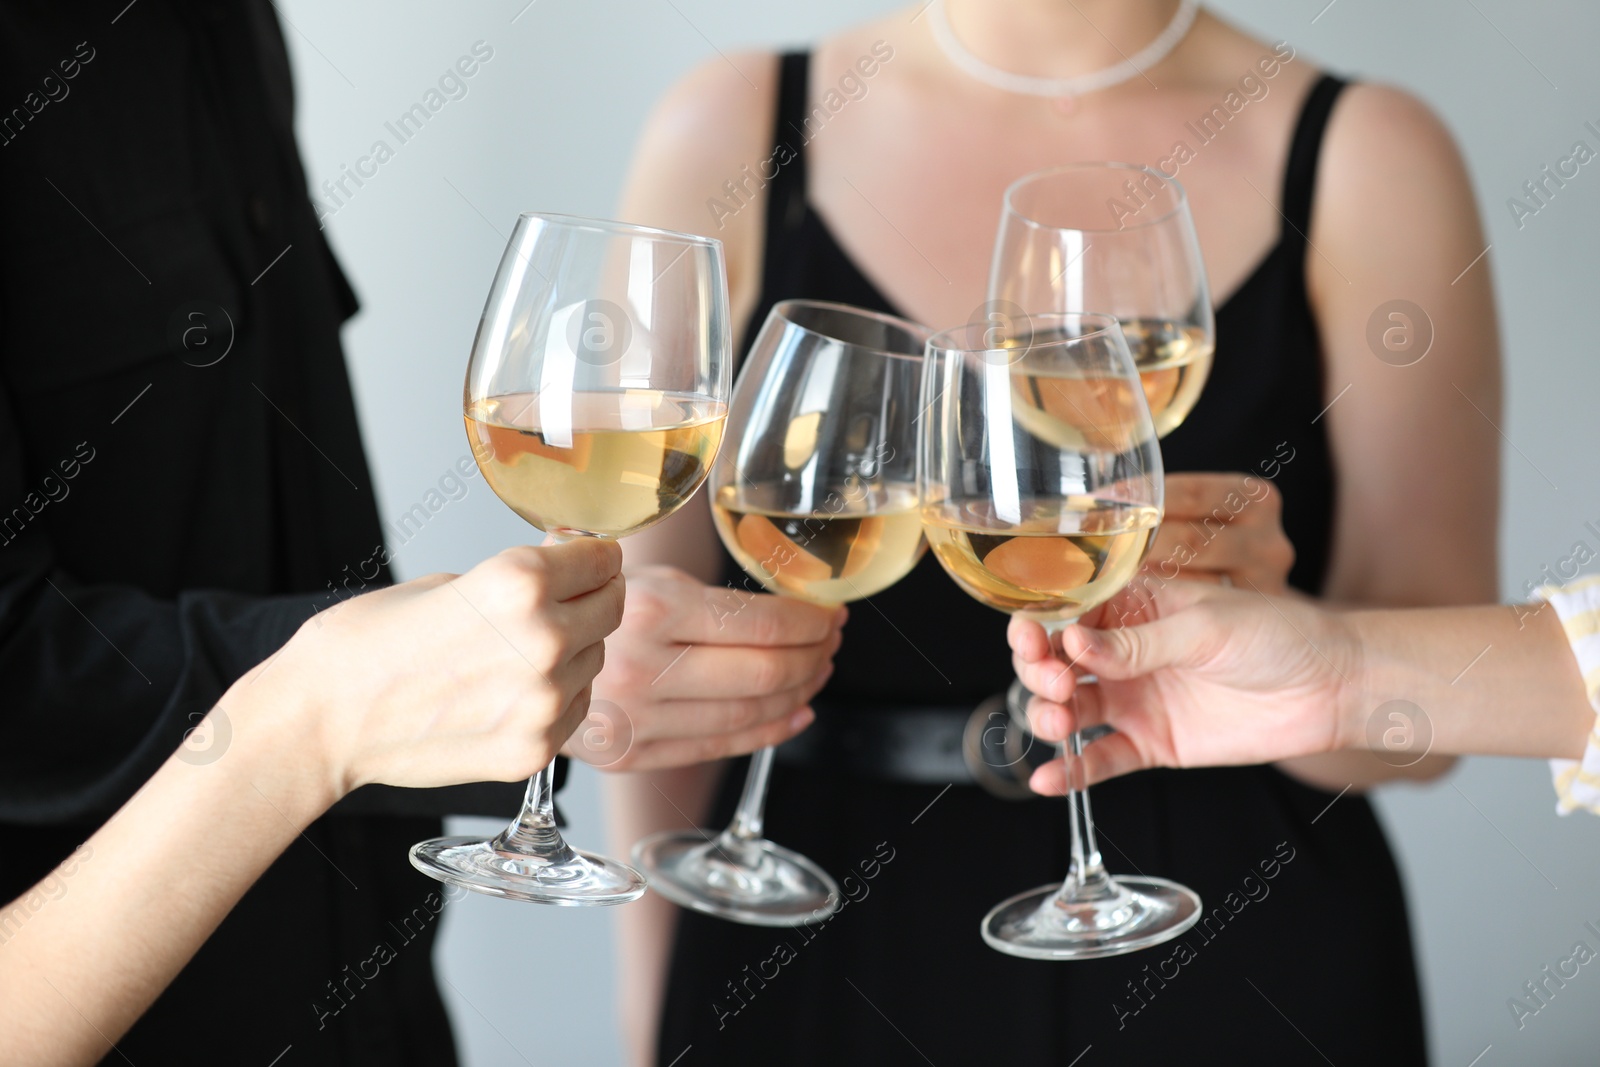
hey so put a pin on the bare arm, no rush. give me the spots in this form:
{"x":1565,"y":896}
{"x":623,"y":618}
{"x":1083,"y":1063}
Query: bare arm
{"x":704,"y":132}
{"x":80,"y":970}
{"x":1416,"y":453}
{"x":1206,"y":676}
{"x":637,"y":805}
{"x":1523,"y":697}
{"x":399,"y":686}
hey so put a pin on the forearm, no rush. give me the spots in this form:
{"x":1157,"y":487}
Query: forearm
{"x":1360,"y":770}
{"x":85,"y":954}
{"x":1492,"y":680}
{"x":1355,"y":768}
{"x":1371,"y":606}
{"x":641,"y":803}
{"x":637,"y":805}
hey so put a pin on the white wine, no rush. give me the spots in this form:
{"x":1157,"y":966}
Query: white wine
{"x":856,"y":543}
{"x":1098,"y":413}
{"x":604,"y":463}
{"x":1078,"y":413}
{"x":1063,"y":556}
{"x":1174,"y":360}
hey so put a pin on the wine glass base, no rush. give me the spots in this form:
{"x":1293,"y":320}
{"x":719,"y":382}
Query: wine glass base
{"x":756,"y":882}
{"x":566,"y":877}
{"x":1036,"y":926}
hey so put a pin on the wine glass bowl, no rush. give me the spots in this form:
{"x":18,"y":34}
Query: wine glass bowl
{"x":652,"y":449}
{"x":594,"y":403}
{"x":815,"y":497}
{"x":1041,"y":481}
{"x":1115,"y":238}
{"x":820,"y":501}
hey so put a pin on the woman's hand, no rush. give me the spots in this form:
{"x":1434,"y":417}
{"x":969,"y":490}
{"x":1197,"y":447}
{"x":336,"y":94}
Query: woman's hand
{"x":700,"y":672}
{"x":1223,"y":526}
{"x":448,"y":678}
{"x":1201,"y":676}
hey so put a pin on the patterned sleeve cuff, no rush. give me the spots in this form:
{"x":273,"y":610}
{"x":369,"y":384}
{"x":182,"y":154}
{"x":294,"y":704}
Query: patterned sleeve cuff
{"x":1578,"y":606}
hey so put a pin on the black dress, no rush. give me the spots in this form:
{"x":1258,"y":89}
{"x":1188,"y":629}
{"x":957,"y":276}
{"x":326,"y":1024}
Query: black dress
{"x":1304,"y":955}
{"x":182,"y":485}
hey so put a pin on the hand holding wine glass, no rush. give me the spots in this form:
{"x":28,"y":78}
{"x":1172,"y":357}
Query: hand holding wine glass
{"x":1224,"y":528}
{"x":815,"y":496}
{"x":1192,"y":675}
{"x":1042,"y":490}
{"x":1118,"y":239}
{"x":410,"y":685}
{"x":757,"y":662}
{"x":594,"y":403}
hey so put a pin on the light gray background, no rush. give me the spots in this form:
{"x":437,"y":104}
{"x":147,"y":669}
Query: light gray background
{"x":1499,"y":885}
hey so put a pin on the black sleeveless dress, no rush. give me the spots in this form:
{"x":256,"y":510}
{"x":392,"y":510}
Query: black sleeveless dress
{"x":1304,"y":955}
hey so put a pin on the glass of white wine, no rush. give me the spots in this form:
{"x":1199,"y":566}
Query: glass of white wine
{"x":1116,"y":238}
{"x":1040,"y":476}
{"x":594,"y":404}
{"x":815,"y":496}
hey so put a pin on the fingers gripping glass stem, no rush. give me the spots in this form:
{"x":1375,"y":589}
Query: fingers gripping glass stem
{"x":815,"y":497}
{"x":1042,"y":490}
{"x":594,"y":404}
{"x":1090,"y":914}
{"x":1087,"y":879}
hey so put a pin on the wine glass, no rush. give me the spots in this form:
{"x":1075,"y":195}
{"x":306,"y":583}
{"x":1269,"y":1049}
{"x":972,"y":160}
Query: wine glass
{"x":815,"y":496}
{"x":1040,"y":476}
{"x":594,"y":404}
{"x":1116,"y":238}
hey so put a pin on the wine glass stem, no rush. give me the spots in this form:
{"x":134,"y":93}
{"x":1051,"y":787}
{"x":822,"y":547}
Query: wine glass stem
{"x":1087,"y":879}
{"x":748,"y":818}
{"x":534,"y":829}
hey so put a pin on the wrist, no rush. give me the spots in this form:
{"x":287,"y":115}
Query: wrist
{"x":277,"y":741}
{"x":1356,"y":680}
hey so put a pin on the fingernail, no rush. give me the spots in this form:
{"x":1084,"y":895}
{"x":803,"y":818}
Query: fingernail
{"x":822,"y":675}
{"x":801,"y":719}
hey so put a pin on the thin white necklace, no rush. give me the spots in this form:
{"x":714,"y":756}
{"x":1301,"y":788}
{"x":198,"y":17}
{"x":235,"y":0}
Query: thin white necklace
{"x":1062,"y":88}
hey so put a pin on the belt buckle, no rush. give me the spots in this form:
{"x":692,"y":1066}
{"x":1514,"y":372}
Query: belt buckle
{"x":1001,"y":752}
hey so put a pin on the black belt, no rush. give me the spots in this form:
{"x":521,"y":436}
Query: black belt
{"x":922,"y":744}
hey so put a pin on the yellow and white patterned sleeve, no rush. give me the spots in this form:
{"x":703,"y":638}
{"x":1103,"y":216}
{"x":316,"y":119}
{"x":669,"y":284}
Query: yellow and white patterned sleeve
{"x":1578,"y":606}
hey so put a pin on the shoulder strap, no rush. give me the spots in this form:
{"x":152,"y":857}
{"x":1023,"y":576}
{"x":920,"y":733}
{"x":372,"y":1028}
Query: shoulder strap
{"x":788,"y":189}
{"x":1300,"y":176}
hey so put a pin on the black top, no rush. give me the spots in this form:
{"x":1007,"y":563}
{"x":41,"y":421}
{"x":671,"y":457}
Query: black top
{"x":182,"y":484}
{"x":1304,"y":918}
{"x":1258,"y":413}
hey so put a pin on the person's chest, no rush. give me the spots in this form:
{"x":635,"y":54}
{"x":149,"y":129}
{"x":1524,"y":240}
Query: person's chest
{"x":911,"y":183}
